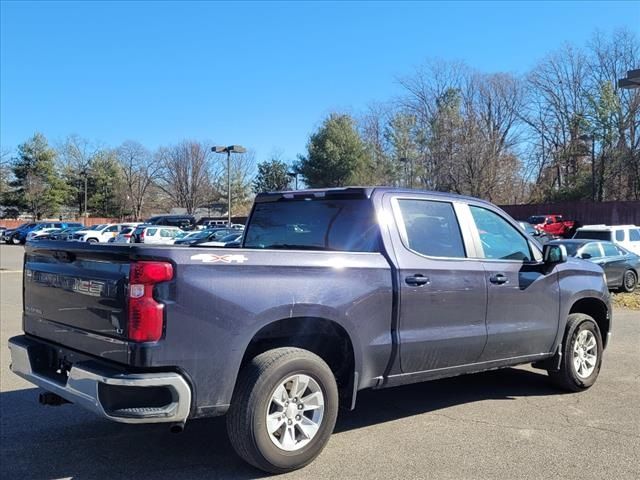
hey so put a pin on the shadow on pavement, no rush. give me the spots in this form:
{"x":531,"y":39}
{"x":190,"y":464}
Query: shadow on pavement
{"x":66,"y":441}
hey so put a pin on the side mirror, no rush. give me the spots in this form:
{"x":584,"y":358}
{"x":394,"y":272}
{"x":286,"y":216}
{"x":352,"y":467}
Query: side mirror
{"x":554,"y":253}
{"x":585,"y":256}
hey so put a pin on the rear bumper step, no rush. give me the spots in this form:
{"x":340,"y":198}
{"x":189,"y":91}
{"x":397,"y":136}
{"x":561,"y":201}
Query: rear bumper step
{"x":116,"y":395}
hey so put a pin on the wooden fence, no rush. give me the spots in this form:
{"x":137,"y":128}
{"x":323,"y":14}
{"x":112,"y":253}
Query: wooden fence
{"x":587,"y":213}
{"x":85,"y":221}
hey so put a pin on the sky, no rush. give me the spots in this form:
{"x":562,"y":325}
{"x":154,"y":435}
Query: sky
{"x":259,"y":74}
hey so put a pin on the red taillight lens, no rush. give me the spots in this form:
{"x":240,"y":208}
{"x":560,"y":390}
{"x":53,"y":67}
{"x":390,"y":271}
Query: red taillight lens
{"x":146,"y":316}
{"x":151,"y":272}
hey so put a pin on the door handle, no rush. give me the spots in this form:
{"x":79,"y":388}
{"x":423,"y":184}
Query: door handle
{"x":498,"y":279}
{"x":417,"y":280}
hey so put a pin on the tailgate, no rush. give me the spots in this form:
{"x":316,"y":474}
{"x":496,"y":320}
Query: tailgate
{"x":76,"y":295}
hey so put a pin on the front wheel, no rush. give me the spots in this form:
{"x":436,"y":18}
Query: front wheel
{"x":581,"y":354}
{"x":629,"y":281}
{"x":92,"y":240}
{"x":15,"y":240}
{"x":284,"y":409}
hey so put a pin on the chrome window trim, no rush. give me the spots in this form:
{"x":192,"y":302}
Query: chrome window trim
{"x":534,"y":251}
{"x":467,"y":243}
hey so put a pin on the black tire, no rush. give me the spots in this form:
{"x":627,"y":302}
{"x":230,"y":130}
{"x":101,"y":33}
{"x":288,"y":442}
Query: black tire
{"x":246,"y":419}
{"x":629,"y":281}
{"x":567,"y":377}
{"x":92,"y":240}
{"x":15,"y":240}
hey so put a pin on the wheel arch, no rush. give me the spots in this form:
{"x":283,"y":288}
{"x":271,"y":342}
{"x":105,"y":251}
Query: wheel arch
{"x":596,"y":309}
{"x":327,"y":338}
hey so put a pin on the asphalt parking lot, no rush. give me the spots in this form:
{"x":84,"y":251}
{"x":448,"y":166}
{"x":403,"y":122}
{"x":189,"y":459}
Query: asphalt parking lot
{"x":503,"y":424}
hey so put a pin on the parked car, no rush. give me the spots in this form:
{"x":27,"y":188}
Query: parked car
{"x":159,"y":235}
{"x":42,"y":230}
{"x":19,"y":235}
{"x":280,"y":332}
{"x":223,"y":242}
{"x":554,"y":225}
{"x":621,"y":266}
{"x":125,"y":235}
{"x":62,"y":234}
{"x":202,"y":236}
{"x":10,"y":235}
{"x":208,"y":222}
{"x":184,"y":222}
{"x":529,"y":229}
{"x":627,"y":236}
{"x":97,"y":233}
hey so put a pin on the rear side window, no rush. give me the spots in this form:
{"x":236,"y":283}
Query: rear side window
{"x":432,"y":228}
{"x":634,"y":235}
{"x":500,"y":240}
{"x":620,"y":235}
{"x":594,"y":235}
{"x":610,"y":250}
{"x":592,"y":250}
{"x":347,"y":225}
{"x":152,"y":231}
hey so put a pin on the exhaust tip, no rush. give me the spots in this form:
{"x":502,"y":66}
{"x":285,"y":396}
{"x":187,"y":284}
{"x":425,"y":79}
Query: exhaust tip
{"x":176,"y":428}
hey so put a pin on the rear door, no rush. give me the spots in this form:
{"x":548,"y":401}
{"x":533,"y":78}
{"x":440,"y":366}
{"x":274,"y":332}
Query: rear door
{"x":614,"y":263}
{"x":523,"y":296}
{"x":443,"y":294}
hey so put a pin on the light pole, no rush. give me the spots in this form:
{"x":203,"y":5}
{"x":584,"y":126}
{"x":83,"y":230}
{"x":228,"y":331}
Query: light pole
{"x":229,"y":150}
{"x":85,"y":173}
{"x":294,"y":175}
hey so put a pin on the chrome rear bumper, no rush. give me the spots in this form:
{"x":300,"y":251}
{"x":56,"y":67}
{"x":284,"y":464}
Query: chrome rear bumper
{"x":86,"y":385}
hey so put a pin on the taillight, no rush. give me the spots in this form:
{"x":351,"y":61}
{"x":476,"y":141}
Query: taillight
{"x":146,"y":316}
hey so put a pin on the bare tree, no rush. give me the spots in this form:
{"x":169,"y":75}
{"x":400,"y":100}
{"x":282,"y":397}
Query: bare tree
{"x":139,"y":169}
{"x":185,"y":174}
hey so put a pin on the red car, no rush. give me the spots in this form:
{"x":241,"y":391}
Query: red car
{"x":553,"y":225}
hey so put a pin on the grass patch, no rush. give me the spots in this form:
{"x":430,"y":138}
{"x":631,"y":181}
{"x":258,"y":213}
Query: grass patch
{"x":627,"y":300}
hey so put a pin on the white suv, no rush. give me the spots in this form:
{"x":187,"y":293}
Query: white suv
{"x":160,"y":235}
{"x":100,"y":233}
{"x":627,"y":236}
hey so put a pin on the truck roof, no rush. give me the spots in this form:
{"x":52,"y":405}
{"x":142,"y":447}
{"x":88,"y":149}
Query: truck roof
{"x":354,"y":192}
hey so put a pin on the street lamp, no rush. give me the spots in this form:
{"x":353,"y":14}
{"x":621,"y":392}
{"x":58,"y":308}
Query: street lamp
{"x":85,"y":173}
{"x":294,"y":175}
{"x":229,"y":150}
{"x":592,"y":139}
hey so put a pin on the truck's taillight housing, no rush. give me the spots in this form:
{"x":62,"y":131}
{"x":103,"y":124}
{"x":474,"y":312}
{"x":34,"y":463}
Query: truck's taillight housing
{"x":146,"y":316}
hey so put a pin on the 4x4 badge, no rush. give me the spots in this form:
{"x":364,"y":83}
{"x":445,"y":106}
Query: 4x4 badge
{"x":210,"y":258}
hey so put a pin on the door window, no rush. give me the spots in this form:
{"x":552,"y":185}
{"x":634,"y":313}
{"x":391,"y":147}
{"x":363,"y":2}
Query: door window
{"x":610,"y":250}
{"x":634,"y":235}
{"x":151,"y":232}
{"x":431,"y":228}
{"x":500,"y":240}
{"x":620,"y":235}
{"x":167,"y":233}
{"x":113,"y":228}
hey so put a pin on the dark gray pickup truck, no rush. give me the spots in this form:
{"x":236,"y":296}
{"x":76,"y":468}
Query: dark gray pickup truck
{"x":333,"y":291}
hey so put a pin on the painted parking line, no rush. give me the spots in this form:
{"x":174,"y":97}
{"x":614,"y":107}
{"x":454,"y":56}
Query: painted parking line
{"x":10,"y":271}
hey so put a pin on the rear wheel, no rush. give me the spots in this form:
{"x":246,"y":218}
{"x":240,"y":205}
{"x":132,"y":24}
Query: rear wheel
{"x":15,"y":240}
{"x":629,"y":281}
{"x":92,"y":240}
{"x":581,"y":354}
{"x":284,"y":409}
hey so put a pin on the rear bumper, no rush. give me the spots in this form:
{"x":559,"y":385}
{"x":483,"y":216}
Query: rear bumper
{"x":113,"y":394}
